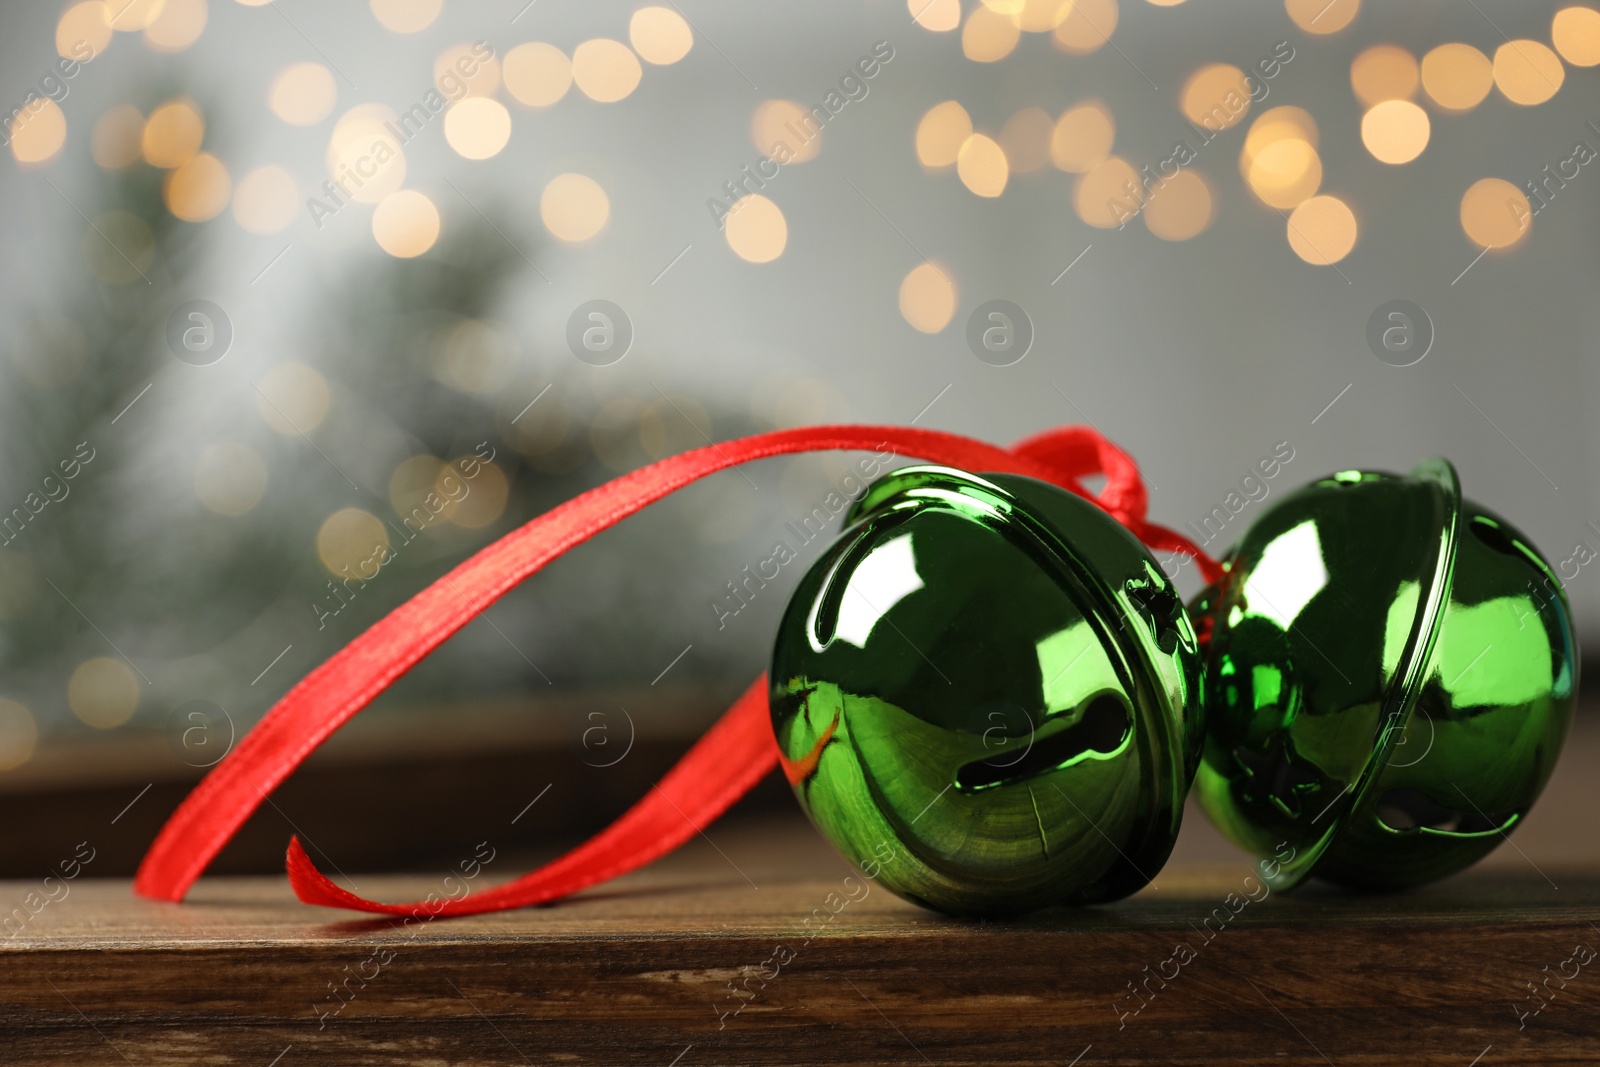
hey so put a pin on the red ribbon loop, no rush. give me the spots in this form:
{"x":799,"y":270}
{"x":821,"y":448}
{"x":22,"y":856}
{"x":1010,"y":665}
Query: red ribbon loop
{"x":724,"y":765}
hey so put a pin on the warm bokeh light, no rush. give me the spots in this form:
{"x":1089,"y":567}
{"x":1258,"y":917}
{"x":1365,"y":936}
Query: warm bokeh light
{"x":83,"y":27}
{"x":405,"y":224}
{"x":1180,"y":208}
{"x":103,"y":692}
{"x":462,"y":70}
{"x":941,"y":133}
{"x":1025,"y":139}
{"x":351,"y":543}
{"x":927,"y":298}
{"x":981,"y":166}
{"x":1088,"y":25}
{"x":475,"y":357}
{"x":940,"y":16}
{"x":660,"y":35}
{"x":785,"y":131}
{"x":1285,"y":172}
{"x":1165,"y":3}
{"x":179,"y":25}
{"x":129,"y":16}
{"x":266,"y":200}
{"x":1495,"y":213}
{"x":199,"y":189}
{"x":230,"y":478}
{"x":363,"y":156}
{"x":172,"y":134}
{"x":1322,"y":230}
{"x":413,"y":479}
{"x":1322,"y":16}
{"x":1042,"y":16}
{"x":18,"y":734}
{"x":406,"y":16}
{"x":303,"y":94}
{"x":1082,"y":137}
{"x":537,"y":74}
{"x":1109,"y":194}
{"x":1527,"y":72}
{"x":1457,"y":76}
{"x":486,"y":496}
{"x":605,"y":70}
{"x":38,"y":132}
{"x":756,"y":229}
{"x":1215,"y":96}
{"x":1395,"y":131}
{"x":574,"y":207}
{"x":1576,"y":34}
{"x":118,"y":247}
{"x":1286,"y":123}
{"x":1383,"y":72}
{"x":293,"y":399}
{"x":114,"y":141}
{"x":478,"y":127}
{"x":989,"y":36}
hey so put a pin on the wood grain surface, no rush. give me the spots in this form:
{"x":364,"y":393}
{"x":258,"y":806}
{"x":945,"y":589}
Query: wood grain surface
{"x":756,"y":945}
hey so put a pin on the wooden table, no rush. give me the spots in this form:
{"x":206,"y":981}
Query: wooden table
{"x":708,"y":958}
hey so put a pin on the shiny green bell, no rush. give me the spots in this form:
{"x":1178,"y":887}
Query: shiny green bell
{"x":985,"y":694}
{"x":1390,"y":672}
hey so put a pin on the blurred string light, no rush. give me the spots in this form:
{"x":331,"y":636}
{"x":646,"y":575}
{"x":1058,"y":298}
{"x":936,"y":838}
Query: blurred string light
{"x":787,"y":124}
{"x":537,"y":74}
{"x":1575,"y":31}
{"x":944,"y":128}
{"x":303,"y":94}
{"x":198,"y":189}
{"x":1105,"y":196}
{"x":1395,"y":131}
{"x":18,"y":734}
{"x":1083,"y":137}
{"x":1322,"y":16}
{"x":88,"y":23}
{"x":1216,"y":96}
{"x":1457,"y":76}
{"x":1495,"y":213}
{"x":130,"y":16}
{"x":939,"y":16}
{"x":478,"y":127}
{"x":351,"y":543}
{"x":574,"y":207}
{"x":266,"y":200}
{"x":1088,"y":25}
{"x":660,"y":35}
{"x":364,"y":158}
{"x":486,"y":497}
{"x":292,"y":399}
{"x":1322,"y":230}
{"x":230,"y":478}
{"x":1384,"y":72}
{"x":177,"y":25}
{"x":927,"y":298}
{"x":605,"y":70}
{"x":172,"y":134}
{"x":981,"y":165}
{"x":1527,"y":72}
{"x":1180,"y":208}
{"x":755,"y":229}
{"x":406,"y":16}
{"x":38,"y":134}
{"x":103,"y":692}
{"x":405,"y":224}
{"x":989,"y":36}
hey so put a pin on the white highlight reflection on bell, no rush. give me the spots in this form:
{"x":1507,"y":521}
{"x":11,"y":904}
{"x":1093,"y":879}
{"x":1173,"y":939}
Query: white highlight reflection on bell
{"x":887,"y":576}
{"x":1290,"y":573}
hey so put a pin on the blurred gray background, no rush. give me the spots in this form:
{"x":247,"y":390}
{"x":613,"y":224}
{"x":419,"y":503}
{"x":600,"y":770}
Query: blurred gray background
{"x":1198,"y":356}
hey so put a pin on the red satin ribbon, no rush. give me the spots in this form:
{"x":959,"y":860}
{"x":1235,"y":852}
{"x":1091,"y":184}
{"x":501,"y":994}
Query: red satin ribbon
{"x":724,"y":765}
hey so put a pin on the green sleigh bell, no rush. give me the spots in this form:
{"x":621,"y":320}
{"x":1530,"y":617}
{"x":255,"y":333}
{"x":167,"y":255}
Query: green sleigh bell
{"x":1390,"y":672}
{"x":987,"y":693}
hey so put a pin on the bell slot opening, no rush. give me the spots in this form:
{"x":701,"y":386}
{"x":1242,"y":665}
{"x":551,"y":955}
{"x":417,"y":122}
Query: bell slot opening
{"x":1103,"y":727}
